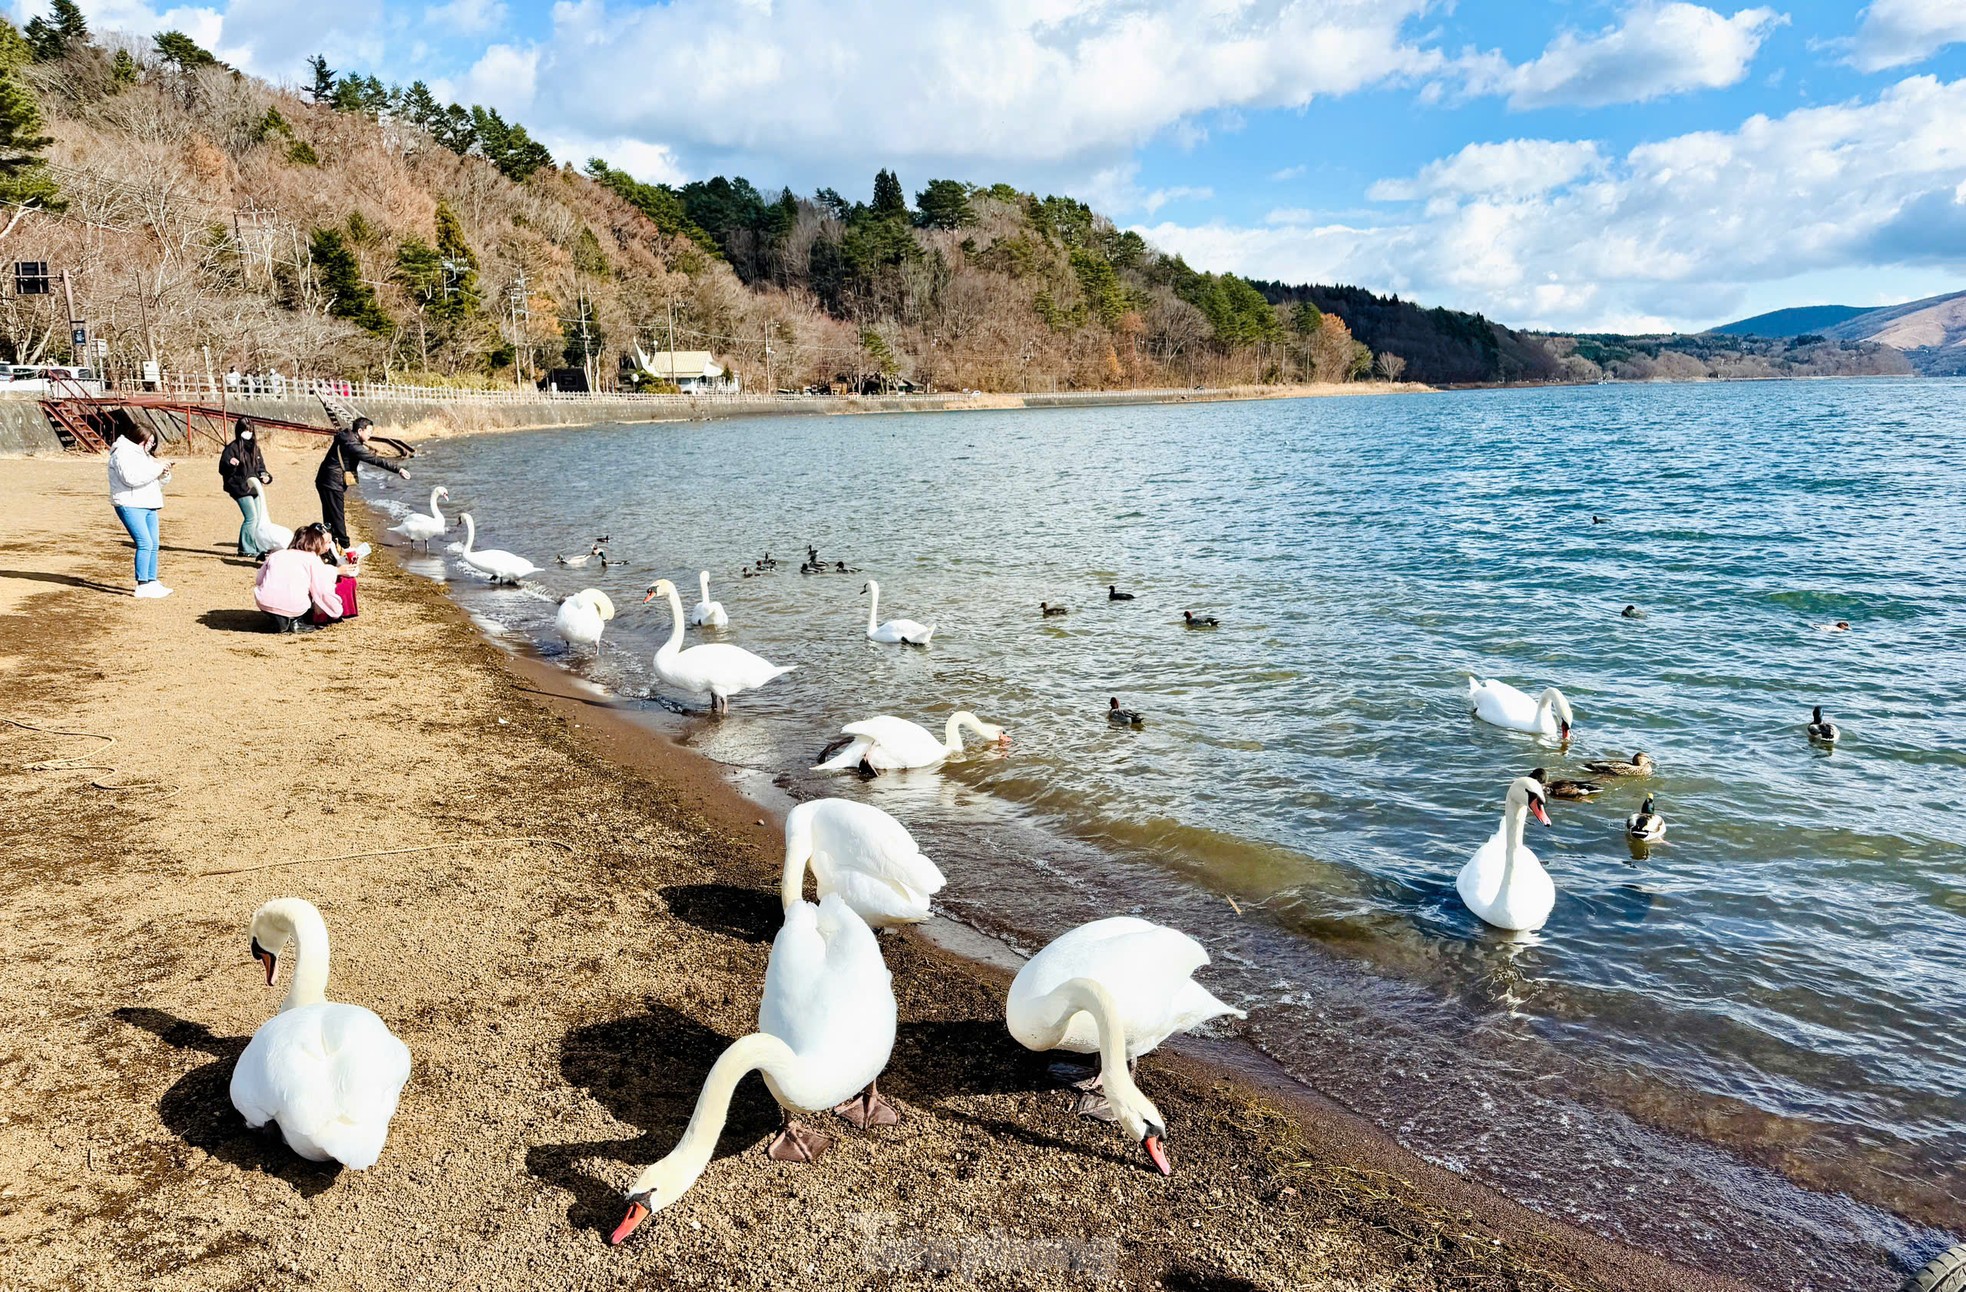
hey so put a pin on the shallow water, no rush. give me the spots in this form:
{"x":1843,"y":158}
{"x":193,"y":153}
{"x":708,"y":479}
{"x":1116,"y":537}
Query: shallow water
{"x":1772,"y":996}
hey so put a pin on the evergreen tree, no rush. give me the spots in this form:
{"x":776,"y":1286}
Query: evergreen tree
{"x":507,"y":146}
{"x":455,"y":129}
{"x":122,"y":69}
{"x":420,"y":270}
{"x":889,"y":201}
{"x":323,"y":79}
{"x":944,"y":204}
{"x":23,"y":178}
{"x":459,"y":266}
{"x":15,"y":52}
{"x":74,"y":28}
{"x":340,"y":276}
{"x":419,"y":107}
{"x":182,"y":52}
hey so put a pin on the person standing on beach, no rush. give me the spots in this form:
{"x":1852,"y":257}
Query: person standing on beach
{"x":337,"y":473}
{"x":136,"y":491}
{"x":239,"y":464}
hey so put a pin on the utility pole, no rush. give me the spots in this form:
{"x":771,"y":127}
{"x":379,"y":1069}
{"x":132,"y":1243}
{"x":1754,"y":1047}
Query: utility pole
{"x":770,"y":389}
{"x":78,"y":335}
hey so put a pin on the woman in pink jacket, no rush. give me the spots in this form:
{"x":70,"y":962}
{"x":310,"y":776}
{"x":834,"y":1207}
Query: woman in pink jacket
{"x":297,"y":580}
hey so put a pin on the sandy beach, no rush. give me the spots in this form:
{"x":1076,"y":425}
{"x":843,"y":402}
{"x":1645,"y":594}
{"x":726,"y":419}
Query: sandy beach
{"x":566,"y":918}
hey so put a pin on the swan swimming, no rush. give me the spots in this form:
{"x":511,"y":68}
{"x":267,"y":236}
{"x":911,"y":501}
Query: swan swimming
{"x":1117,"y":988}
{"x":894,"y":631}
{"x":889,"y":744}
{"x":1502,"y":705}
{"x":825,"y":1031}
{"x":419,"y":528}
{"x":707,"y":613}
{"x":328,"y":1074}
{"x":496,"y":564}
{"x":582,"y":617}
{"x":1503,"y":883}
{"x":864,"y":855}
{"x":717,"y":670}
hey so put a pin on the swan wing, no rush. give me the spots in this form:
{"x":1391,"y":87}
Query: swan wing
{"x":722,"y":667}
{"x":859,"y":837}
{"x":828,"y":995}
{"x":1502,"y":705}
{"x":330,"y":1075}
{"x":909,"y":744}
{"x":1147,"y":968}
{"x":848,"y":757}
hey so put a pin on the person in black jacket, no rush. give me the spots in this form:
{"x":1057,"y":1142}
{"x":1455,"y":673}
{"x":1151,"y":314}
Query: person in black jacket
{"x":338,"y":472}
{"x":239,"y":464}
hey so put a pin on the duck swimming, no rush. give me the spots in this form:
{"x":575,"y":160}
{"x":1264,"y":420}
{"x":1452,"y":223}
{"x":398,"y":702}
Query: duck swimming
{"x":1208,"y":621}
{"x":1114,"y":594}
{"x":1645,"y":823}
{"x":1122,"y":717}
{"x":1821,"y":729}
{"x":1557,"y":788}
{"x":1632,"y":612}
{"x":1641,"y":764}
{"x":1050,"y":611}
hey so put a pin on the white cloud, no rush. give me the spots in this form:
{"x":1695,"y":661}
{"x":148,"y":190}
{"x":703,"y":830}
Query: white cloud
{"x":1513,"y":168}
{"x":1160,"y":197}
{"x":1288,"y":172}
{"x":1896,"y":32}
{"x":1070,"y":85}
{"x":502,"y":78}
{"x":1656,"y":50}
{"x":466,"y":17}
{"x":1675,"y":231}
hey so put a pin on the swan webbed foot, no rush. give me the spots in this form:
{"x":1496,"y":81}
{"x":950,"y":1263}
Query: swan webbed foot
{"x":868,"y":1109}
{"x":796,"y":1143}
{"x":1093,"y":1103}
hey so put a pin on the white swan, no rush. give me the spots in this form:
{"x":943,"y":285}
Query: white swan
{"x":825,"y":1030}
{"x":582,"y":617}
{"x":269,"y":537}
{"x":716,"y":670}
{"x":894,"y":630}
{"x":498,"y":565}
{"x":419,"y":528}
{"x":707,"y":613}
{"x":329,"y":1074}
{"x":1503,"y":883}
{"x":864,"y":855}
{"x":1504,"y":706}
{"x":890,"y":744}
{"x":1117,"y":987}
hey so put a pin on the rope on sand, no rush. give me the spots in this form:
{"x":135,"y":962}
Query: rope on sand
{"x":392,"y":852}
{"x":81,"y":763}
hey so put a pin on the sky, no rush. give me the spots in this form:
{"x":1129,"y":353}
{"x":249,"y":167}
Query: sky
{"x":1575,"y":165}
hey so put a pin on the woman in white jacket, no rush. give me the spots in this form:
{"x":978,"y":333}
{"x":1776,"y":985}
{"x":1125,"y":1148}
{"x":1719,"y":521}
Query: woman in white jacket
{"x":136,"y":490}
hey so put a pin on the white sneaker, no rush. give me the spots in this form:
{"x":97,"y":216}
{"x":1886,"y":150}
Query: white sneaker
{"x":151,"y":591}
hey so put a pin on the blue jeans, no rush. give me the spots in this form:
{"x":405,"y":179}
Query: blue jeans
{"x":248,"y":543}
{"x":142,"y":524}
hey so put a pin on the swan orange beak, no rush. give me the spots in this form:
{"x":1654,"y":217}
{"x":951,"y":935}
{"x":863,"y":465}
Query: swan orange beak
{"x":650,"y":597}
{"x":1158,"y":1153}
{"x":1563,"y":731}
{"x":266,"y":958}
{"x":637,"y":1213}
{"x":1536,"y":807}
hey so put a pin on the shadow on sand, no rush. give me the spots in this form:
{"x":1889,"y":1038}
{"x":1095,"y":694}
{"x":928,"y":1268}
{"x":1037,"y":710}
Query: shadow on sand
{"x":747,"y":914}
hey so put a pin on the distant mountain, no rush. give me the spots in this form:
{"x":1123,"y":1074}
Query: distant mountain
{"x":1800,"y":321}
{"x":1931,"y":332}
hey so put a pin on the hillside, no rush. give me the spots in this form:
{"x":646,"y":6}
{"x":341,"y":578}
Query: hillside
{"x":1931,"y":332}
{"x":1797,"y":321}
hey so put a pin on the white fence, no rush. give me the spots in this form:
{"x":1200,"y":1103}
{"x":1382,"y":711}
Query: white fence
{"x":359,"y":391}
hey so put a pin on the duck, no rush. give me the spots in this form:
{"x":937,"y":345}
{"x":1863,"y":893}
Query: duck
{"x":1503,"y":883}
{"x":864,"y":855}
{"x":1645,"y":823}
{"x":886,"y":744}
{"x":749,"y":573}
{"x":419,"y":528}
{"x":1821,"y":729}
{"x":1049,"y":611}
{"x":582,"y":617}
{"x":1558,"y":788}
{"x":577,"y":561}
{"x":1117,"y":988}
{"x":1840,"y":626}
{"x":707,"y":613}
{"x":1191,"y":620}
{"x":1502,"y":705}
{"x":825,"y":1032}
{"x":894,"y":631}
{"x":269,"y":536}
{"x":1122,"y":717}
{"x":1640,"y":764}
{"x":328,"y":1074}
{"x":1632,"y":612}
{"x":717,"y":670}
{"x":499,"y":566}
{"x":1114,"y":594}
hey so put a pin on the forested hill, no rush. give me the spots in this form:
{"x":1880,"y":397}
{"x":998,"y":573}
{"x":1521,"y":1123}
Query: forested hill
{"x":208,"y":220}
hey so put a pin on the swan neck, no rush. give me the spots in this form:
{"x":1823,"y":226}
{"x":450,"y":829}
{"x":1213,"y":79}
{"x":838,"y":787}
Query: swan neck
{"x":1514,"y":818}
{"x":1090,"y":996}
{"x":953,"y":733}
{"x":873,"y":606}
{"x":436,"y":515}
{"x":310,"y":959}
{"x":798,"y":850}
{"x":470,"y":532}
{"x":674,"y":1174}
{"x":703,"y":583}
{"x":675,"y":642}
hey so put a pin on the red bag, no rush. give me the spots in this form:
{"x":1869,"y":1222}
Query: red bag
{"x":344,"y":588}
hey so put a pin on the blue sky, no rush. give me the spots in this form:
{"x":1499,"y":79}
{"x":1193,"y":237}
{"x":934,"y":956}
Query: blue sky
{"x":1572,"y":164}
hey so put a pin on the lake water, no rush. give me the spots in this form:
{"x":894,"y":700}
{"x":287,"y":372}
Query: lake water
{"x":1745,"y":1047}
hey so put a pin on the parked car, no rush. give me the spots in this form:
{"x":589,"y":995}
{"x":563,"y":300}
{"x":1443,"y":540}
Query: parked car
{"x":53,"y":379}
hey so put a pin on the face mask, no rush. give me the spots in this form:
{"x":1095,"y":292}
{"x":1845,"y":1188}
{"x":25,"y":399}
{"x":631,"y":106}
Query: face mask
{"x":245,"y":435}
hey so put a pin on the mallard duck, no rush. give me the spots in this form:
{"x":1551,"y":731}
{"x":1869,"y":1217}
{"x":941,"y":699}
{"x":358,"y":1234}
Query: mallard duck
{"x":1558,"y":788}
{"x":1821,"y":728}
{"x":1645,"y":823}
{"x":1641,"y":764}
{"x":1207,"y":621}
{"x":1114,"y":594}
{"x":1050,"y":611}
{"x":1122,"y":717}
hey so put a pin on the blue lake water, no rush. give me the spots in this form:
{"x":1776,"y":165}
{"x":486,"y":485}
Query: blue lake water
{"x":1747,"y":1044}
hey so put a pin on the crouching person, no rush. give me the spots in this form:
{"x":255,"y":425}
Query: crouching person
{"x":296,"y":585}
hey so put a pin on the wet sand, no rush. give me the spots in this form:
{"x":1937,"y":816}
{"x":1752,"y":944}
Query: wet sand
{"x":576,"y":924}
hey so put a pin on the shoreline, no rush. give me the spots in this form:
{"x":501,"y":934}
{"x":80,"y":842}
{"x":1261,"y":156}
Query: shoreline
{"x":545,"y":994}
